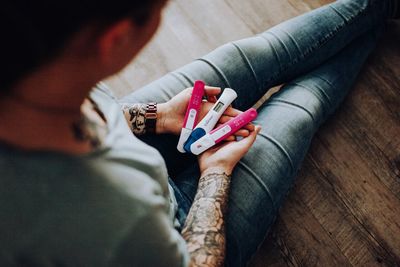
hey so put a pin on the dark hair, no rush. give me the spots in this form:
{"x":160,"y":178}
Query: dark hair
{"x":34,"y":31}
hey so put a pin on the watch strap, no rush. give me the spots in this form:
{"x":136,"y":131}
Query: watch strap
{"x":151,"y":117}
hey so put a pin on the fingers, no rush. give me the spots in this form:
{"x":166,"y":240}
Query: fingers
{"x":213,"y":90}
{"x":251,"y":127}
{"x":230,"y":111}
{"x":211,"y":93}
{"x":249,"y":140}
{"x":225,"y":118}
{"x":212,"y":99}
{"x":240,"y":133}
{"x":242,"y":145}
{"x":208,"y":90}
{"x":230,"y":138}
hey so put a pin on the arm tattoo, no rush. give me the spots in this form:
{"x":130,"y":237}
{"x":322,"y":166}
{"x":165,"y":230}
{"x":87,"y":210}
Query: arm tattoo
{"x":92,"y":126}
{"x":135,"y":116}
{"x":204,"y":228}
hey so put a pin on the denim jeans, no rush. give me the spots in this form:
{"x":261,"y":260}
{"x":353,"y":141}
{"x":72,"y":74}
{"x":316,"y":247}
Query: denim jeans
{"x":317,"y":57}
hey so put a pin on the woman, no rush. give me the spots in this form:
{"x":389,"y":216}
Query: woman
{"x":79,"y":189}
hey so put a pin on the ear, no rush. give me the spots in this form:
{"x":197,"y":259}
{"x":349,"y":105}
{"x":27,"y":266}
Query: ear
{"x":114,"y":40}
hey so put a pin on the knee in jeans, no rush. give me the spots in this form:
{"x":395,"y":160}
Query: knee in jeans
{"x":301,"y":124}
{"x":302,"y":105}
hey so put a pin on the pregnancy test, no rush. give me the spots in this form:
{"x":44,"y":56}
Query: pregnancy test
{"x":212,"y":117}
{"x":223,"y":132}
{"x":192,"y":114}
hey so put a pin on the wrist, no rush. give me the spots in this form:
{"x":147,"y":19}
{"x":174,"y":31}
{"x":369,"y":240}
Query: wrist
{"x":161,"y":118}
{"x":217,"y":169}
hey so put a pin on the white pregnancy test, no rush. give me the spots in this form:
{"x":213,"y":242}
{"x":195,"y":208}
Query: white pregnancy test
{"x":223,"y":132}
{"x":192,"y":113}
{"x":212,"y":117}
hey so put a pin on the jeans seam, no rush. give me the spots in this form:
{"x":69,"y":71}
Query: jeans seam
{"x":287,"y":103}
{"x":244,"y":57}
{"x":281,"y":148}
{"x":260,"y":182}
{"x":272,"y":48}
{"x":296,"y":84}
{"x":320,"y":44}
{"x":177,"y":75}
{"x":323,"y":102}
{"x":217,"y":70}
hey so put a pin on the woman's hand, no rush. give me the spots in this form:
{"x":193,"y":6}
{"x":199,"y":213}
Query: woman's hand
{"x":172,"y":114}
{"x":224,"y":157}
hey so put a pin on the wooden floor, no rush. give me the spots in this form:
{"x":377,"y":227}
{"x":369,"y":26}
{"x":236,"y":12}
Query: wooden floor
{"x":345,"y":207}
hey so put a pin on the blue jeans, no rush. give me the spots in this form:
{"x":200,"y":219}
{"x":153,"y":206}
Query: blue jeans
{"x":317,"y":56}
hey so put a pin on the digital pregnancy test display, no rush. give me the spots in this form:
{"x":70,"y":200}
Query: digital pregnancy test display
{"x":223,"y":132}
{"x":218,"y":106}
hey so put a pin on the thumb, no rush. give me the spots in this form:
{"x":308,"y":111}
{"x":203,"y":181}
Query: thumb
{"x":249,"y":140}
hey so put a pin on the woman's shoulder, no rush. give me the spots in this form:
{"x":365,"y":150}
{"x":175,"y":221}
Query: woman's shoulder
{"x":60,"y":170}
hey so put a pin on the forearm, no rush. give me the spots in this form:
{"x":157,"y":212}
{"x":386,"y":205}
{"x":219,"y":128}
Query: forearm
{"x":204,"y":230}
{"x":135,"y":115}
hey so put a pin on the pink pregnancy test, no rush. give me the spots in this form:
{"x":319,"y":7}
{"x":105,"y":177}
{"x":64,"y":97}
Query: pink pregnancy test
{"x":192,"y":114}
{"x":223,"y":132}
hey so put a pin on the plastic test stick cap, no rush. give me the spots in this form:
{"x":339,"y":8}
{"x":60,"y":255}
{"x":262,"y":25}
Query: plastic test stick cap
{"x":192,"y":113}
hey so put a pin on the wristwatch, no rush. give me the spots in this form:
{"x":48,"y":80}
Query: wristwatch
{"x":151,"y":117}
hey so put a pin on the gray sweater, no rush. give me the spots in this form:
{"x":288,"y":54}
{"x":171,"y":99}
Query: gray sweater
{"x":112,"y":207}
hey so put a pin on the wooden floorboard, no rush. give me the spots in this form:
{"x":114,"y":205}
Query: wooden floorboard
{"x":345,"y":207}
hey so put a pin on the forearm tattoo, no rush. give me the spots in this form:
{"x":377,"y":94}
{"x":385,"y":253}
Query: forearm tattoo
{"x":135,"y":116}
{"x":204,"y":229}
